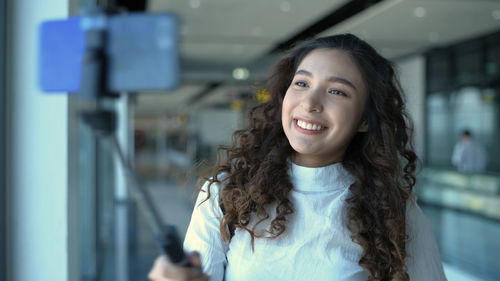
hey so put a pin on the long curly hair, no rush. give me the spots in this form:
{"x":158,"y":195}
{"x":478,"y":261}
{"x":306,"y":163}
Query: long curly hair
{"x":381,"y":161}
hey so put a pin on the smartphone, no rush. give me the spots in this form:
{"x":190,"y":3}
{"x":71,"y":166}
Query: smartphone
{"x":141,"y":53}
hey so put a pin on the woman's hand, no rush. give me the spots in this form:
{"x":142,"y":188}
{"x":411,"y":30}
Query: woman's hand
{"x":163,"y":270}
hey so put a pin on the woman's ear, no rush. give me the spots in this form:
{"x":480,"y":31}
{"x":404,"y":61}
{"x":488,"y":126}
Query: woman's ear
{"x":363,"y":127}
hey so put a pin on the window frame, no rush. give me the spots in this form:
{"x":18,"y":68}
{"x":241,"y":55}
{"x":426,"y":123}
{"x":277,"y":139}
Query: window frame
{"x":3,"y":135}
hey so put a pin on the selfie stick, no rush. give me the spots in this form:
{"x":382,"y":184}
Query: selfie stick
{"x":104,"y":125}
{"x":103,"y":122}
{"x":166,"y":235}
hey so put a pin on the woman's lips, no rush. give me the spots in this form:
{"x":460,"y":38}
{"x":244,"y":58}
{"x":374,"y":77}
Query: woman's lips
{"x":309,"y":127}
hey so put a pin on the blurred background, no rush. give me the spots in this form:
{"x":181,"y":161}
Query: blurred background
{"x":66,"y":212}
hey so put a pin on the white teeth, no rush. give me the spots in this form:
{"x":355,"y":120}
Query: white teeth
{"x":308,"y":126}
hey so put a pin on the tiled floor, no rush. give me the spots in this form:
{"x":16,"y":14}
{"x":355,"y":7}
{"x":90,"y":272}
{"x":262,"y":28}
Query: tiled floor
{"x":456,"y":274}
{"x":469,"y":245}
{"x":467,"y":242}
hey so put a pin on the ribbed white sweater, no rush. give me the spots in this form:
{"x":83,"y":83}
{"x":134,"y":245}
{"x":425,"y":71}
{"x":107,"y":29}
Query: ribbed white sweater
{"x":316,"y":244}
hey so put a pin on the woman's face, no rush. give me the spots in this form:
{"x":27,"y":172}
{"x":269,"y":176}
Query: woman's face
{"x":323,"y":107}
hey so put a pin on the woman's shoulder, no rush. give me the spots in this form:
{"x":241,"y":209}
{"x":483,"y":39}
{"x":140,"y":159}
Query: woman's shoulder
{"x":209,"y":194}
{"x":415,"y":217}
{"x":418,"y":226}
{"x":215,"y":184}
{"x":423,"y":259}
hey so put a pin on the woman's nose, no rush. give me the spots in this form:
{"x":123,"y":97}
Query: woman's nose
{"x":312,"y":101}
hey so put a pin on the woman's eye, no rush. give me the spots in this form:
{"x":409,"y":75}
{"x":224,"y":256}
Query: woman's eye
{"x":337,"y":92}
{"x":301,"y":84}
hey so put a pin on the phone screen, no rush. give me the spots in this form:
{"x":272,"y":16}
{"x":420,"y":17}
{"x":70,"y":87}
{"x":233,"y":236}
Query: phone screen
{"x":142,"y":53}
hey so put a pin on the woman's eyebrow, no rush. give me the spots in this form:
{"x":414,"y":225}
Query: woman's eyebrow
{"x":331,"y":78}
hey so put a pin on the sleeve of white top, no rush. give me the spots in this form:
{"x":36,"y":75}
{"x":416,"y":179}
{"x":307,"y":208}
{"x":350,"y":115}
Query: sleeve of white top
{"x":203,"y":235}
{"x":423,"y":259}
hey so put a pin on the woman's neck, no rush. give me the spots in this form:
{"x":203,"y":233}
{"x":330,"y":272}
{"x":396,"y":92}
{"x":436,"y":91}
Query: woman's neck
{"x":314,"y":162}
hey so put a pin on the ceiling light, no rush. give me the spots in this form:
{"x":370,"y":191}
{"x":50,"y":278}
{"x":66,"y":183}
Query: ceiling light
{"x":241,"y":73}
{"x":419,"y":12}
{"x":285,"y":6}
{"x":195,"y":4}
{"x":495,"y":14}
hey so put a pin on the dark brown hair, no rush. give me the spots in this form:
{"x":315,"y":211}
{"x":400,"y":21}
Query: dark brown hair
{"x":381,"y":160}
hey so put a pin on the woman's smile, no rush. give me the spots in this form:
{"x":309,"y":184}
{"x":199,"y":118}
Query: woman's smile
{"x":309,"y":127}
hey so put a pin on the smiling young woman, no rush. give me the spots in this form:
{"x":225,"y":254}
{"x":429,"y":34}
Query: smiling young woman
{"x":318,"y":186}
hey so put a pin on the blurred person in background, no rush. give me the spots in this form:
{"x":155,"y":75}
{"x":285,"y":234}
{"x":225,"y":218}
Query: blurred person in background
{"x":469,"y":156}
{"x":314,"y":188}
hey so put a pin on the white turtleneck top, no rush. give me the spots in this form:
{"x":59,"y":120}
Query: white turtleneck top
{"x":316,"y":244}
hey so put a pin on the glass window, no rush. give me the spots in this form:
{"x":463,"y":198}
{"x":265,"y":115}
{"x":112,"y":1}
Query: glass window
{"x":489,"y":134}
{"x":492,"y":65}
{"x":469,"y":63}
{"x":87,"y":204}
{"x":96,"y":207}
{"x":438,"y":120}
{"x":463,"y":93}
{"x":468,"y":108}
{"x":439,"y":71}
{"x":3,"y":134}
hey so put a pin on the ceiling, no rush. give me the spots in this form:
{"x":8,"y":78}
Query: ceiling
{"x":218,"y":36}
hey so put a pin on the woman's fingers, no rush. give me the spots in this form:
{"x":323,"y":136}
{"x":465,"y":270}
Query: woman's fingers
{"x":194,"y":259}
{"x":163,"y":270}
{"x":158,"y":272}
